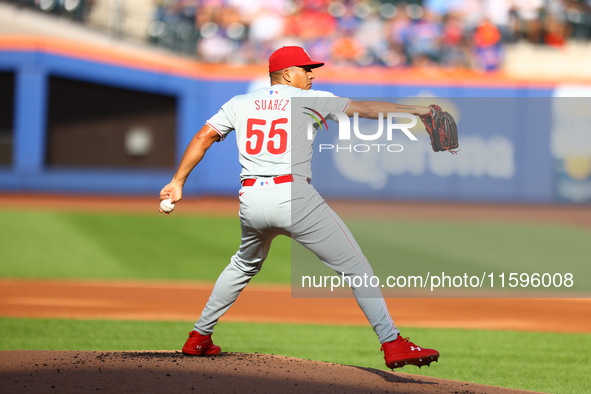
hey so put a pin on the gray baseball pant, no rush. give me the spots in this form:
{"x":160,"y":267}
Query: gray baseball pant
{"x":298,"y":211}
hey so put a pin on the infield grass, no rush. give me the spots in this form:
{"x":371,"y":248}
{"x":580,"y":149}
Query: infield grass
{"x":522,"y":360}
{"x":46,"y":244}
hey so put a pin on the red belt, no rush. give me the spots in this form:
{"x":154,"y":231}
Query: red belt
{"x":277,"y":180}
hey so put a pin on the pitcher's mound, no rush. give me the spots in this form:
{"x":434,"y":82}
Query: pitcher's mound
{"x":166,"y":371}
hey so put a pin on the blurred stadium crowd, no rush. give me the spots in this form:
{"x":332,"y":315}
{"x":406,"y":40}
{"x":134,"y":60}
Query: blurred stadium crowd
{"x":467,"y":34}
{"x":446,"y":33}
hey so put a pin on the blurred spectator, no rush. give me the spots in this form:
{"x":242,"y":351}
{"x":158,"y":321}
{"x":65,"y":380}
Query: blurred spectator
{"x":472,"y":13}
{"x":455,"y":50}
{"x":487,"y":45}
{"x":370,"y":35}
{"x":554,"y":24}
{"x":422,"y":39}
{"x":346,"y":19}
{"x":528,"y":14}
{"x":266,"y":28}
{"x":345,"y":49}
{"x":499,"y":14}
{"x":221,"y":36}
{"x":396,"y":29}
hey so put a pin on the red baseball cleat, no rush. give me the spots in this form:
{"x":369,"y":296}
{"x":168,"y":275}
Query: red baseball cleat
{"x":402,"y":351}
{"x":200,"y":345}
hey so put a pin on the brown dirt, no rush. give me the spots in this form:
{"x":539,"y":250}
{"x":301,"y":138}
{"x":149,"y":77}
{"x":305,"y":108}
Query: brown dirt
{"x":273,"y":304}
{"x":76,"y":371}
{"x":171,"y":372}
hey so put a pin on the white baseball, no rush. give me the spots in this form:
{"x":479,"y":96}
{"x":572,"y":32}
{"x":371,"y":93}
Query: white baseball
{"x":166,"y":205}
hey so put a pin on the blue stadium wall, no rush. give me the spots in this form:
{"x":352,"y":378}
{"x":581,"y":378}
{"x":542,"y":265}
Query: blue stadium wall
{"x":506,"y":157}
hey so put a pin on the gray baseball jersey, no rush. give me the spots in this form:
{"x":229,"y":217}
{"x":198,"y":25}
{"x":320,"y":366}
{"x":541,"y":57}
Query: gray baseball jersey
{"x":271,"y":146}
{"x":264,"y":132}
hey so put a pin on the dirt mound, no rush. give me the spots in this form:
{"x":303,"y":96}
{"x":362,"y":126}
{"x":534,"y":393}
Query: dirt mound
{"x":167,"y":371}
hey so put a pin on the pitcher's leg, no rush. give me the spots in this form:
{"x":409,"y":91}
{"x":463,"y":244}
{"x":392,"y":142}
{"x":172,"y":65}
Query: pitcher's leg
{"x":243,"y":266}
{"x":379,"y":318}
{"x":332,"y":242}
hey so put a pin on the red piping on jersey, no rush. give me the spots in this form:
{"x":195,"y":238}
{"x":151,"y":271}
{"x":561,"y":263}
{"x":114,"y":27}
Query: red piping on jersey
{"x":222,"y":136}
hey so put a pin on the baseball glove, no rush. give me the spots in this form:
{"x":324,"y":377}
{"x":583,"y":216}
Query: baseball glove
{"x":442,"y":129}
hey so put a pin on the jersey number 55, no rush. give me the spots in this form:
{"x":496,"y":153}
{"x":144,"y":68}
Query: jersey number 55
{"x":261,"y":136}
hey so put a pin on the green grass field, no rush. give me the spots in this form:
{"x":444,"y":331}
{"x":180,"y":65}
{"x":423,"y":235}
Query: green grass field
{"x":47,"y":244}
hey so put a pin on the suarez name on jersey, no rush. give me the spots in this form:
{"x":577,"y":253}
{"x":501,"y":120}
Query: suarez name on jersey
{"x":271,"y":105}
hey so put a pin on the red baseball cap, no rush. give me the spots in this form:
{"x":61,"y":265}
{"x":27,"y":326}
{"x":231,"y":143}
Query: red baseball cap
{"x":289,"y":56}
